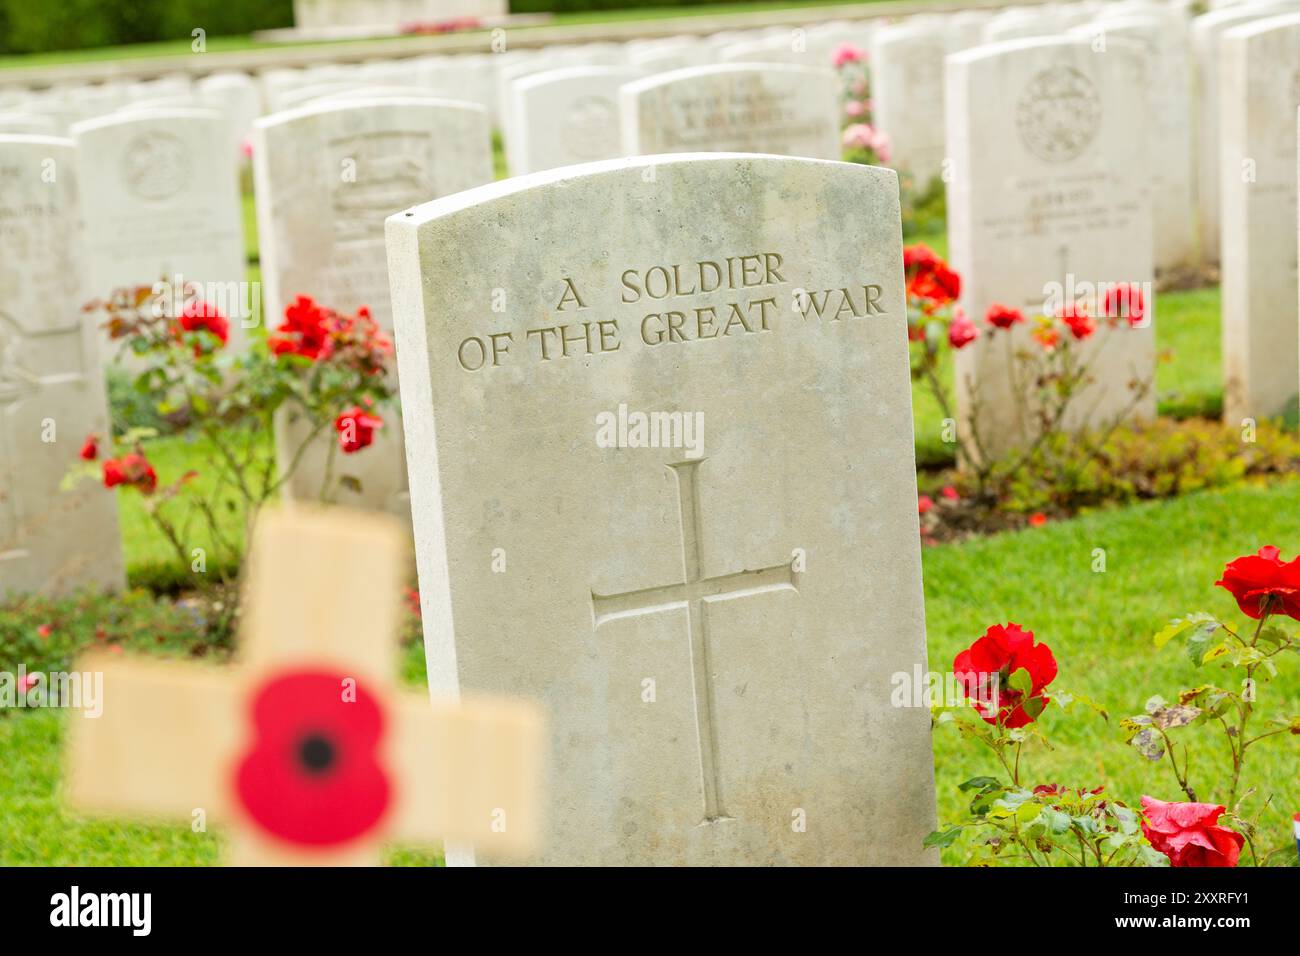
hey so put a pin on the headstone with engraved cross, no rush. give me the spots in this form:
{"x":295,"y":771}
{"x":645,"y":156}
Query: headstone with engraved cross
{"x":52,"y":539}
{"x":688,"y":520}
{"x":306,"y":748}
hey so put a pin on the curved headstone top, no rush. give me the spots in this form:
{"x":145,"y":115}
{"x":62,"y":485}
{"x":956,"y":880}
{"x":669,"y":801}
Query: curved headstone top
{"x":649,"y":391}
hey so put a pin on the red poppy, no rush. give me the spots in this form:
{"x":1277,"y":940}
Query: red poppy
{"x":1003,"y":316}
{"x":950,"y":492}
{"x":305,"y":331}
{"x":312,"y":776}
{"x":199,"y":315}
{"x":90,"y":450}
{"x":962,"y":331}
{"x":1264,"y":583}
{"x":989,"y":664}
{"x":356,"y":428}
{"x":1190,"y":834}
{"x":1037,"y":519}
{"x":134,"y":470}
{"x":924,"y":504}
{"x":1125,"y":301}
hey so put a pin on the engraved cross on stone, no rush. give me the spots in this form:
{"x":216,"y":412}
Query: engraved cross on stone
{"x":694,"y":593}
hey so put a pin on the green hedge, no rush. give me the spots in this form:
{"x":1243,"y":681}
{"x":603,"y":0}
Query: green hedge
{"x":36,"y":26}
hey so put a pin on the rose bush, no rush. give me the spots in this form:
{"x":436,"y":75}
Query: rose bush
{"x":1004,"y":676}
{"x":330,"y":368}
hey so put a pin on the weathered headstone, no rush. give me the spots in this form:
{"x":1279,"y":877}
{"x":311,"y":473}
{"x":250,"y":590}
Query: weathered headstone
{"x":568,"y":116}
{"x":160,"y":199}
{"x":1049,"y":194}
{"x":773,"y":108}
{"x":51,"y":383}
{"x":711,"y":624}
{"x":326,"y":177}
{"x":1259,"y":76}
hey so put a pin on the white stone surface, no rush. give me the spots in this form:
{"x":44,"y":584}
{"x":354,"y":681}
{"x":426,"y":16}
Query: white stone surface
{"x":773,"y":108}
{"x":51,"y":385}
{"x":770,"y":680}
{"x":1259,"y":77}
{"x":568,"y":116}
{"x":326,"y":177}
{"x":160,"y":199}
{"x":908,"y":95}
{"x":1170,"y":141}
{"x":1050,"y":192}
{"x":1206,"y":31}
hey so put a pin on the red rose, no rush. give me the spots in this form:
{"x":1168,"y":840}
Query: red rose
{"x":1263,"y":583}
{"x":928,"y":276}
{"x":199,"y":315}
{"x":999,"y":654}
{"x":962,"y":331}
{"x":1003,"y":316}
{"x":1189,"y":834}
{"x":90,"y":450}
{"x":133,"y":469}
{"x":113,"y":474}
{"x":1076,"y":317}
{"x":305,"y":331}
{"x":312,"y":776}
{"x":356,"y":428}
{"x":1125,"y":300}
{"x":924,"y":504}
{"x":951,"y":493}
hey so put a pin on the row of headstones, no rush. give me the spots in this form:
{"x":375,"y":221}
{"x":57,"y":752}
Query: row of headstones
{"x":390,"y":14}
{"x":1041,"y":200}
{"x":1214,"y":157}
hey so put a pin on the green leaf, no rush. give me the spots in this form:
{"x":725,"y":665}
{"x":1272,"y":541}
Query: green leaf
{"x":942,"y":838}
{"x":1180,"y":624}
{"x":1021,"y":682}
{"x":982,"y":783}
{"x":1273,"y":635}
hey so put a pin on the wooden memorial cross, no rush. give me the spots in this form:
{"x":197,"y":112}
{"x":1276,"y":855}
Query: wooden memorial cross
{"x":693,"y":593}
{"x":306,"y":748}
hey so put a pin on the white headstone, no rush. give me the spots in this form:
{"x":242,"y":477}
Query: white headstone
{"x":713,"y":699}
{"x":1259,"y":76}
{"x":160,"y":199}
{"x":1206,"y":31}
{"x":326,"y":177}
{"x":1050,"y":193}
{"x":29,"y":124}
{"x":238,"y":97}
{"x":1169,"y":130}
{"x":771,"y":108}
{"x":51,"y":383}
{"x":907,"y":93}
{"x":568,"y":116}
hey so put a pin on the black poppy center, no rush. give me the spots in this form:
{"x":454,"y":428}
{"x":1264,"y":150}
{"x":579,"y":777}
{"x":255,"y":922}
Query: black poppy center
{"x":316,"y":753}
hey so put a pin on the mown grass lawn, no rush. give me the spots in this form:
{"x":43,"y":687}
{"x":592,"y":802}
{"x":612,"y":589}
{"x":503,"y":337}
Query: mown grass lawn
{"x":1161,"y":560}
{"x":225,"y":44}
